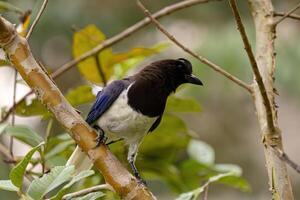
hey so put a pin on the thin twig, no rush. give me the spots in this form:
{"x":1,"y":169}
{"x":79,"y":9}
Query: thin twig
{"x":126,"y":33}
{"x":11,"y":142}
{"x":87,"y":191}
{"x":287,"y":14}
{"x":291,"y":16}
{"x":99,"y":67}
{"x":113,"y":40}
{"x":284,"y":157}
{"x":36,"y":20}
{"x":198,"y":57}
{"x":254,"y":65}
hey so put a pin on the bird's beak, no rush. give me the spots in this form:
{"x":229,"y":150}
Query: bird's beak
{"x":193,"y":79}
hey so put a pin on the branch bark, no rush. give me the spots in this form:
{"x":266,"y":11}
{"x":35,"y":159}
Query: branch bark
{"x":192,"y":53}
{"x":279,"y":182}
{"x":19,"y":54}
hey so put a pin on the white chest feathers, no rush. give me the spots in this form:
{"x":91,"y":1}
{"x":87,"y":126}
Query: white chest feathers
{"x":121,"y":121}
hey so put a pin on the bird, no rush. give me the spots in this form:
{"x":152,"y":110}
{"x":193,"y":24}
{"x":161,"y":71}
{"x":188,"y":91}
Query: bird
{"x":130,"y":108}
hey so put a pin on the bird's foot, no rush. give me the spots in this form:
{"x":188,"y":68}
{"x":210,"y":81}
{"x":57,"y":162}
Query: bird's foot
{"x":101,"y":138}
{"x":139,"y":179}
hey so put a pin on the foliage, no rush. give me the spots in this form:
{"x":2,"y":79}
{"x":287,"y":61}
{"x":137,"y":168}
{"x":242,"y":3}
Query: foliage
{"x":168,"y":154}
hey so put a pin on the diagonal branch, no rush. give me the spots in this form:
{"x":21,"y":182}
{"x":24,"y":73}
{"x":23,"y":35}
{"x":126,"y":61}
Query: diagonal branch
{"x":19,"y":54}
{"x":36,"y":20}
{"x":198,"y":57}
{"x":126,"y":33}
{"x":254,"y":66}
{"x":113,"y":40}
{"x":291,"y":16}
{"x":284,"y":157}
{"x":287,"y":14}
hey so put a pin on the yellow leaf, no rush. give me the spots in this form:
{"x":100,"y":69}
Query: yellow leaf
{"x":85,"y":40}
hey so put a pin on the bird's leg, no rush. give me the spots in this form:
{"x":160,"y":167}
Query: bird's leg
{"x":132,"y":152}
{"x":101,"y":138}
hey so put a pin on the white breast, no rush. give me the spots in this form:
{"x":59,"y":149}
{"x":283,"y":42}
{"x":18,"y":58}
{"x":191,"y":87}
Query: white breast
{"x":121,"y":121}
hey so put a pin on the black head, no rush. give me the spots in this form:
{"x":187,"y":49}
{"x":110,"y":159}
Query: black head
{"x":175,"y":72}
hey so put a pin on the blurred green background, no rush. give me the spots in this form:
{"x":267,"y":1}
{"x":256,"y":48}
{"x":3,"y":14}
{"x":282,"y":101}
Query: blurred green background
{"x":227,"y":120}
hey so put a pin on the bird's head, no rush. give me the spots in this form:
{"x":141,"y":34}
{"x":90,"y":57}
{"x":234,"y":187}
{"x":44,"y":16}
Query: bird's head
{"x":175,"y":72}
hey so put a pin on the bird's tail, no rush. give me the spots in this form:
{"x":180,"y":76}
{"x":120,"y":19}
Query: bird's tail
{"x":80,"y":160}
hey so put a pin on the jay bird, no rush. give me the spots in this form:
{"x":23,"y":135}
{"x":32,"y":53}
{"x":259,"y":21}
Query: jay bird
{"x":130,"y":108}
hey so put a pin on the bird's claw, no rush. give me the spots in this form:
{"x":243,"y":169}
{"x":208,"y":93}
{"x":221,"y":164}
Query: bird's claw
{"x":101,"y":138}
{"x":140,"y":180}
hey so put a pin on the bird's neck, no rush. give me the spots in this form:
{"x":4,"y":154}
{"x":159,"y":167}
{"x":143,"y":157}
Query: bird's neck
{"x":148,"y":94}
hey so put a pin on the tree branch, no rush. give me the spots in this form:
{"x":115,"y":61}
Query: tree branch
{"x":284,"y":157}
{"x":198,"y":57}
{"x":279,"y":181}
{"x":287,"y":14}
{"x":36,"y":20}
{"x":87,"y":191}
{"x":254,"y":66}
{"x":113,"y":40}
{"x":291,"y":16}
{"x":114,"y":173}
{"x":126,"y":33}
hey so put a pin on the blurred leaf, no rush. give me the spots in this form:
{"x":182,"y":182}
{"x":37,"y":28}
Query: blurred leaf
{"x":80,"y":95}
{"x":2,"y":127}
{"x":172,"y":137}
{"x":4,"y":7}
{"x":59,"y":148}
{"x":194,"y":194}
{"x":85,"y":40}
{"x":201,"y":152}
{"x":235,"y":169}
{"x":8,"y":186}
{"x":90,"y":196}
{"x":236,"y":182}
{"x":17,"y":173}
{"x":75,"y":179}
{"x":57,"y":176}
{"x":24,"y":134}
{"x":176,"y":104}
{"x":77,"y":96}
{"x":34,"y":108}
{"x":125,"y":61}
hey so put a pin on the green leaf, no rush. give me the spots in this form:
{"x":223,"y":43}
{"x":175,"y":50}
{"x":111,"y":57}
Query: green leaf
{"x":2,"y":127}
{"x":24,"y":134}
{"x":65,"y":189}
{"x":236,"y":182}
{"x":59,"y":148}
{"x":57,"y":176}
{"x":8,"y":186}
{"x":17,"y":173}
{"x":34,"y":108}
{"x":85,"y":40}
{"x":124,"y":61}
{"x":235,"y":169}
{"x":80,"y":95}
{"x":201,"y":152}
{"x":176,"y":104}
{"x":4,"y":7}
{"x":194,"y":194}
{"x":172,"y":136}
{"x":90,"y":196}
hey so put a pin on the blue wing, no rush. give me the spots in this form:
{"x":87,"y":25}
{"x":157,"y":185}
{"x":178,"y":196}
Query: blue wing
{"x":105,"y":99}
